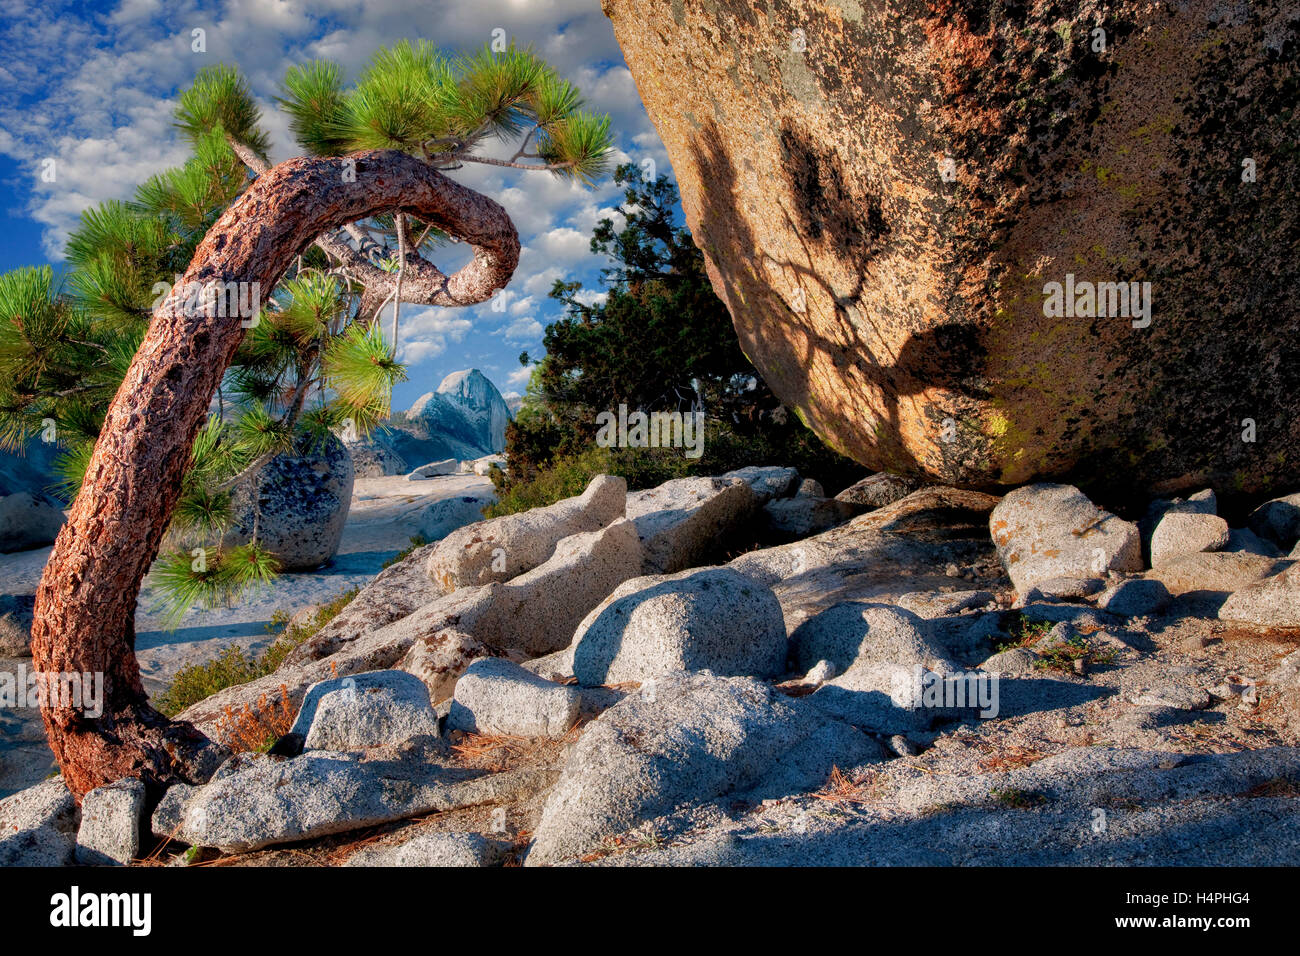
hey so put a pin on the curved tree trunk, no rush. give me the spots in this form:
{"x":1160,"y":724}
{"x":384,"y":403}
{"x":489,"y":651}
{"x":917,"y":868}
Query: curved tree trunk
{"x":85,"y":606}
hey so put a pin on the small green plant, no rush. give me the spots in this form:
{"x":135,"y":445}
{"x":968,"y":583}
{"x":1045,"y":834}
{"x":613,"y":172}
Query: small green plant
{"x":198,"y":682}
{"x":563,"y":479}
{"x":1024,"y":632}
{"x":235,"y":666}
{"x":1017,"y":799}
{"x":417,"y":541}
{"x":1061,"y":655}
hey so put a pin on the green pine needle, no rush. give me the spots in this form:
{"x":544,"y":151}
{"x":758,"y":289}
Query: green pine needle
{"x":360,"y":368}
{"x":221,"y":99}
{"x":313,"y":98}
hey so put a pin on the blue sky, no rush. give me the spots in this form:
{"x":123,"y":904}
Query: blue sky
{"x":93,"y":87}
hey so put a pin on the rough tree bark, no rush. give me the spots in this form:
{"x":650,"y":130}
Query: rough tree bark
{"x":85,"y":605}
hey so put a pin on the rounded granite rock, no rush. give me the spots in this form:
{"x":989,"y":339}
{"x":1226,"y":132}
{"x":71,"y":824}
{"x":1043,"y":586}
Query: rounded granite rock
{"x":893,"y":199}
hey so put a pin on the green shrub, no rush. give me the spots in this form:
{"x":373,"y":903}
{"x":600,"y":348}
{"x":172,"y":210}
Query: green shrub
{"x":197,"y":682}
{"x":725,"y":449}
{"x":417,"y":541}
{"x":235,"y":666}
{"x":563,"y":479}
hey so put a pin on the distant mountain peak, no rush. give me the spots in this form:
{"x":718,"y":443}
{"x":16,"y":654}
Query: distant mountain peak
{"x":466,"y":395}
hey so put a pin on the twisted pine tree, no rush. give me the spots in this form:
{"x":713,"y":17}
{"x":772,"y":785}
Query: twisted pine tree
{"x":335,"y":236}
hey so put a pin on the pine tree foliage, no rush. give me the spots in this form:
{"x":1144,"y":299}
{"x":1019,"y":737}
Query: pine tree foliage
{"x":313,"y":363}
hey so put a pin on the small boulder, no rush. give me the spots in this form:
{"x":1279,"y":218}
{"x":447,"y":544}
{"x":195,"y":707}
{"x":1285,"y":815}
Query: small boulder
{"x":877,"y":491}
{"x":38,"y":826}
{"x":768,"y":482}
{"x":1048,"y":531}
{"x":435,"y":469}
{"x":1181,"y":533}
{"x":1201,"y":503}
{"x":885,"y":657}
{"x":712,"y":618}
{"x":1014,"y":661}
{"x":497,"y":696}
{"x":365,"y":710}
{"x":1273,"y":602}
{"x":1175,"y":696}
{"x":1223,"y":571}
{"x":298,"y":504}
{"x":683,"y":522}
{"x":854,"y":631}
{"x":935,"y":604}
{"x":110,"y":824}
{"x":1278,"y":521}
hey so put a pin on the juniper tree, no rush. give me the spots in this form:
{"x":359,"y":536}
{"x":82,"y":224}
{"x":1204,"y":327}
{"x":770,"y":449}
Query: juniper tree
{"x":335,"y":235}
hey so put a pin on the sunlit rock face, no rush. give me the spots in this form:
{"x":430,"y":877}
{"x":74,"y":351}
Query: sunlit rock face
{"x":885,"y":193}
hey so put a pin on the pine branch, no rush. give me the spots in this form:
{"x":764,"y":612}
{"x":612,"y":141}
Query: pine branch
{"x":510,"y":164}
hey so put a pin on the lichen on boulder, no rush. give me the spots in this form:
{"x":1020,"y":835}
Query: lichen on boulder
{"x":884,"y":193}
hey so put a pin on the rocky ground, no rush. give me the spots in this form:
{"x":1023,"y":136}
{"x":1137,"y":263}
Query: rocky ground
{"x":385,"y":513}
{"x":741,"y":670}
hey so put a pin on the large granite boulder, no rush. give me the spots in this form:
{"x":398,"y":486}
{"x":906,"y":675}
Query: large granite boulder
{"x":29,"y":516}
{"x":298,"y":503}
{"x":883,"y":193}
{"x":28,"y":519}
